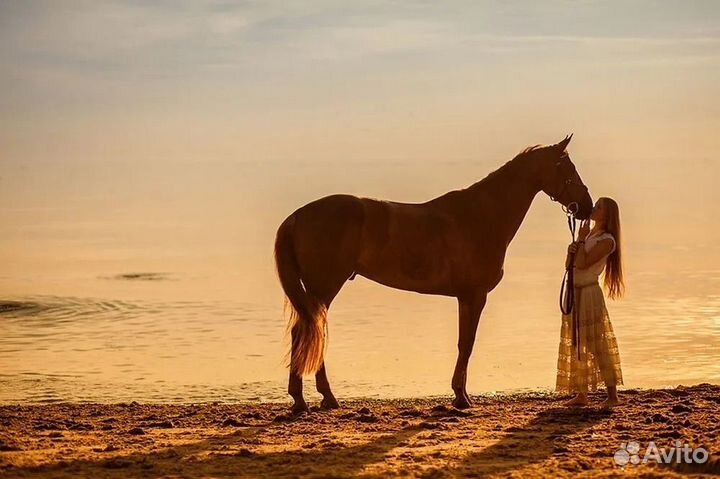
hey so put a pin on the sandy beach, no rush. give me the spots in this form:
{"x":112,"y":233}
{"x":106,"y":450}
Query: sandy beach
{"x":520,"y":435}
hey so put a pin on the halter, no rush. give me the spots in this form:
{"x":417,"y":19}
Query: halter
{"x":567,"y":183}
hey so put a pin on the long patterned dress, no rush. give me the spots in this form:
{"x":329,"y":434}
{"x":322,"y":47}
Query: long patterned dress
{"x":597,"y":360}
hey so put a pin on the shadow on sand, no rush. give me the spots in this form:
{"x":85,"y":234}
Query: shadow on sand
{"x":208,"y":459}
{"x":548,"y":433}
{"x":219,"y":456}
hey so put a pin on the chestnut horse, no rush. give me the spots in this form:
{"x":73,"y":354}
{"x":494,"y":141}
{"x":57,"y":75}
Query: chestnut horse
{"x":453,"y":245}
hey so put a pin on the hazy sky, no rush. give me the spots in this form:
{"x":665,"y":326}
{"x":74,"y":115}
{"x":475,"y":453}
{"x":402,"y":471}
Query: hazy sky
{"x":317,"y":79}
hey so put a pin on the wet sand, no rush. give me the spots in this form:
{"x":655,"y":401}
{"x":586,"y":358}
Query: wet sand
{"x":522,"y":435}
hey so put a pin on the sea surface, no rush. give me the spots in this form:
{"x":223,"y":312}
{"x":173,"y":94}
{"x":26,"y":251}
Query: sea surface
{"x":154,"y":281}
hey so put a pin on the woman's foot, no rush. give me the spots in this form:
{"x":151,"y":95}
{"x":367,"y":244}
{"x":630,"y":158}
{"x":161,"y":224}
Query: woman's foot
{"x":579,"y":400}
{"x":612,"y":399}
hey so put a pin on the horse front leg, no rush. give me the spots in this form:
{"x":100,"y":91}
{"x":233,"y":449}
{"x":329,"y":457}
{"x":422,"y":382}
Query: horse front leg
{"x":469,"y":317}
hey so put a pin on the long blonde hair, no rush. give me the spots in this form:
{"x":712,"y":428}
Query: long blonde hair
{"x":614,"y":281}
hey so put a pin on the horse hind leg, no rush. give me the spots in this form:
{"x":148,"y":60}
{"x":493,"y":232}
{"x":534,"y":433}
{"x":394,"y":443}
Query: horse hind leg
{"x":323,"y":387}
{"x":332,"y":281}
{"x":326,"y":242}
{"x":322,"y":384}
{"x":295,"y":381}
{"x":326,"y":290}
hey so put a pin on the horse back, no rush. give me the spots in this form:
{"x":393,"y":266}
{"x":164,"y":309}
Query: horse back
{"x":410,"y":246}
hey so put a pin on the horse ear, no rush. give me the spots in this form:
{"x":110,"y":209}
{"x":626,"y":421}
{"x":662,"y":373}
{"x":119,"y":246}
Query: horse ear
{"x":564,"y":143}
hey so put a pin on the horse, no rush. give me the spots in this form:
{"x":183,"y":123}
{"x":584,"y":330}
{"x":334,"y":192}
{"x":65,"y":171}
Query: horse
{"x":453,"y":245}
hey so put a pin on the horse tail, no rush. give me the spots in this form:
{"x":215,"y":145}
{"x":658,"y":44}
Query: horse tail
{"x":308,"y":316}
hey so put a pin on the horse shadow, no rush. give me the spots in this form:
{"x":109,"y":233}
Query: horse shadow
{"x":219,"y":457}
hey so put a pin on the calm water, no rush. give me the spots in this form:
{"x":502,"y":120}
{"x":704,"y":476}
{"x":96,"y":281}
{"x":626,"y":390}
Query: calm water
{"x":155,"y":282}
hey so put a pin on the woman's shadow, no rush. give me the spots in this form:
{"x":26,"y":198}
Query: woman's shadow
{"x":550,"y":432}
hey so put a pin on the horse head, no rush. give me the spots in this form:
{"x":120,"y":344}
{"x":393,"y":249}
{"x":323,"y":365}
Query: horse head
{"x":561,"y":181}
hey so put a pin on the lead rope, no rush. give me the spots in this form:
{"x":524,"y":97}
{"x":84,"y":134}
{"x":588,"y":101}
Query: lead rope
{"x":567,"y":288}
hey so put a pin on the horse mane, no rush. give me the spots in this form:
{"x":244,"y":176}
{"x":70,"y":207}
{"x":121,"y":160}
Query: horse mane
{"x":507,"y":166}
{"x":502,"y":171}
{"x":526,"y":150}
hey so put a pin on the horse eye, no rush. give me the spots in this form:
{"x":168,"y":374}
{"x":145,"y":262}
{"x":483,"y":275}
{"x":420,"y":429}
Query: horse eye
{"x":557,"y":164}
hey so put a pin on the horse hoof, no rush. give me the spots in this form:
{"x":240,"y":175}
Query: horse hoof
{"x":461,"y":403}
{"x":329,"y":403}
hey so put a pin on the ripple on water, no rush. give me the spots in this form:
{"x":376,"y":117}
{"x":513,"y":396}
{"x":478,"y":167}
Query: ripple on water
{"x":50,"y":341}
{"x":146,"y":276}
{"x":85,"y":349}
{"x":18,"y":307}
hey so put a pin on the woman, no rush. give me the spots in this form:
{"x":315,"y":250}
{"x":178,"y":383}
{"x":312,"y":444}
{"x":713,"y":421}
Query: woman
{"x":593,"y":356}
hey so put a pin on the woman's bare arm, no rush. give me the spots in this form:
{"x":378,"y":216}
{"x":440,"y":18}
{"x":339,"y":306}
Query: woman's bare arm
{"x":601,"y":248}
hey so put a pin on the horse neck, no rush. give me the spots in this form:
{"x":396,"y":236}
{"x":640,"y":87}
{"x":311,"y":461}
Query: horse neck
{"x":512,"y":188}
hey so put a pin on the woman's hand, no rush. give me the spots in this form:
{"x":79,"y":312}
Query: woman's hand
{"x":584,"y":230}
{"x":570,"y":258}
